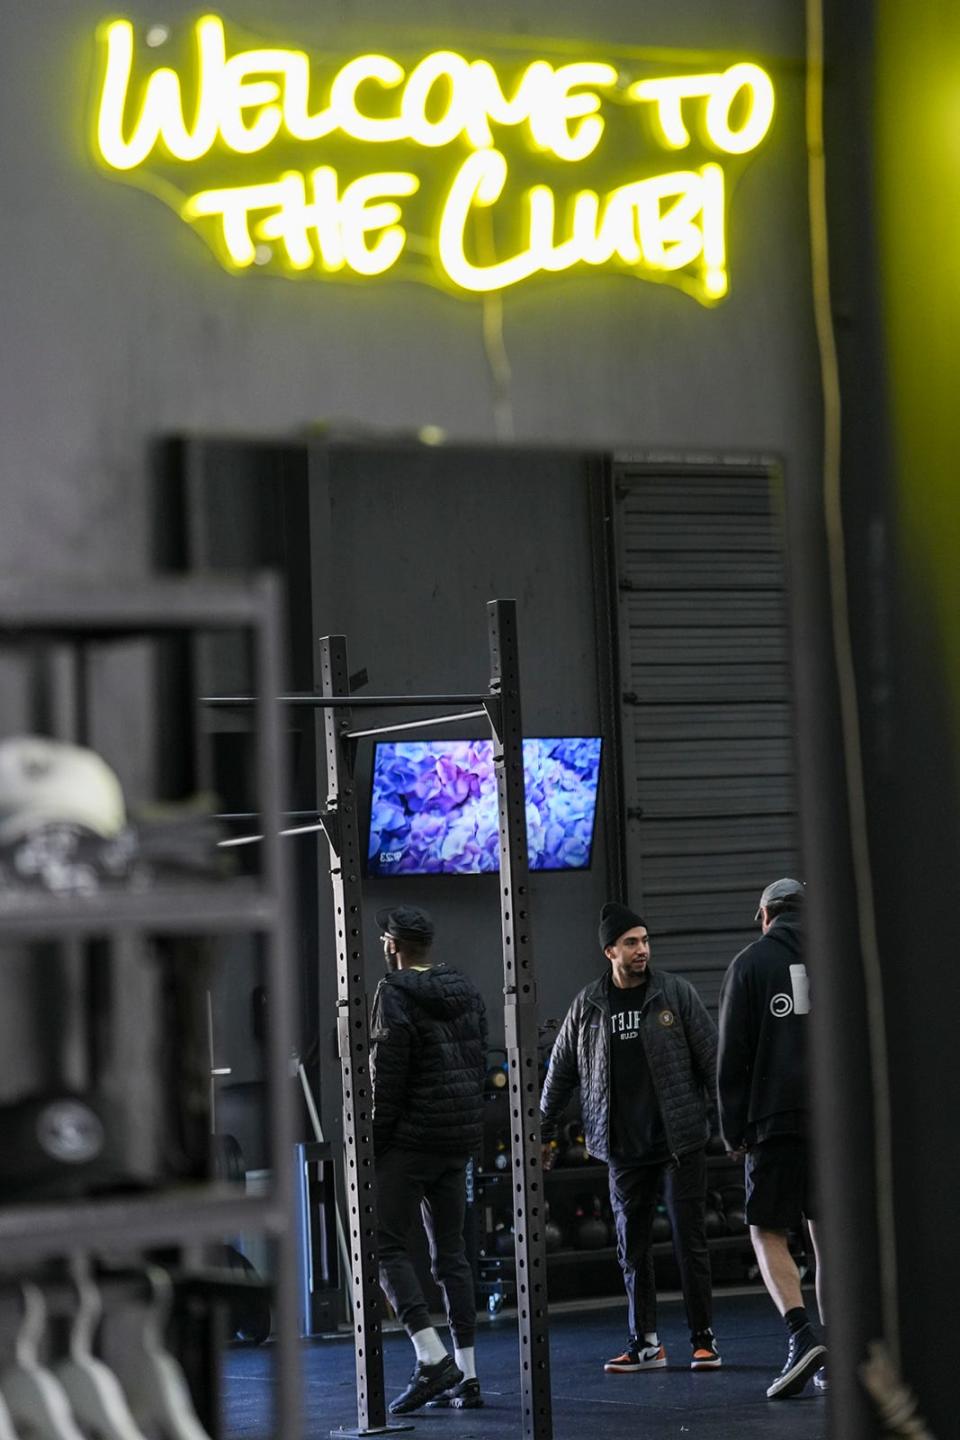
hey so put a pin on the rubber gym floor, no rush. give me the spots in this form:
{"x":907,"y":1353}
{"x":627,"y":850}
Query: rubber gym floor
{"x":725,"y":1404}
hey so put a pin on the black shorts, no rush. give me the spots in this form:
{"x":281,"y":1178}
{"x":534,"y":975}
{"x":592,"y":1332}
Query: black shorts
{"x":779,"y":1183}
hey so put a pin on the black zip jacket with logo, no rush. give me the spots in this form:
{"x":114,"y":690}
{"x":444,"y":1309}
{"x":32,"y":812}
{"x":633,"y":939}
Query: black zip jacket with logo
{"x":680,"y":1041}
{"x":428,"y":1055}
{"x":764,"y":1013}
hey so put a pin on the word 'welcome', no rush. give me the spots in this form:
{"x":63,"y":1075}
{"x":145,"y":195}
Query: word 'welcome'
{"x":475,"y":227}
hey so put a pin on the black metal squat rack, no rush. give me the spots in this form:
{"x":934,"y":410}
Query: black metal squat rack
{"x":500,"y":705}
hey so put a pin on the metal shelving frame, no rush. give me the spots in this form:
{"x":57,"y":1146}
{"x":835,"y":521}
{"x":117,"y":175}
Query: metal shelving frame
{"x":78,"y":614}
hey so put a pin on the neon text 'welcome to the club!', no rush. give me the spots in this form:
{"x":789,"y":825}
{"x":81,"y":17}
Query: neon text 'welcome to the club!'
{"x":445,"y":167}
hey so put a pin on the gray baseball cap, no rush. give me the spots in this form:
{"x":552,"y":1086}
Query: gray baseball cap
{"x":779,"y":890}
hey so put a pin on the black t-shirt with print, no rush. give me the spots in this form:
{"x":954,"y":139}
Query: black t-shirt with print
{"x":636,"y":1125}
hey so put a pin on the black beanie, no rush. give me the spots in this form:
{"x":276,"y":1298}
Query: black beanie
{"x":616,"y":920}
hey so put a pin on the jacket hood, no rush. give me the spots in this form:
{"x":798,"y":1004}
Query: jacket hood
{"x":788,"y":929}
{"x":443,"y":993}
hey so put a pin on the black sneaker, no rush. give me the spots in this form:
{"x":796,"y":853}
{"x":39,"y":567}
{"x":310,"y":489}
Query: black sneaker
{"x":804,"y":1356}
{"x":465,"y":1396}
{"x":426,"y":1382}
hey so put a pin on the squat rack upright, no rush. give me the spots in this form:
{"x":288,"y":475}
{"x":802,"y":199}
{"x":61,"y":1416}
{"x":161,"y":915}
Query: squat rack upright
{"x":500,"y":704}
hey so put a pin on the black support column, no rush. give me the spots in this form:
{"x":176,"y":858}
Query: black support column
{"x":520,"y":1025}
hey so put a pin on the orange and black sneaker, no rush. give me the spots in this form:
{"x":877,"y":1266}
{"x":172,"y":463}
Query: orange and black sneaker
{"x":637,"y":1356}
{"x":705,"y":1356}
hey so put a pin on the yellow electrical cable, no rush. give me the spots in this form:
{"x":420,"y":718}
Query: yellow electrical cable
{"x":847,"y":685}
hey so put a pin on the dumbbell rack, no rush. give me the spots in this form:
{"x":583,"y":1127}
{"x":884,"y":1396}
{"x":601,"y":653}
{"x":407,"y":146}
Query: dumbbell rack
{"x":73,"y":619}
{"x":566,"y":1266}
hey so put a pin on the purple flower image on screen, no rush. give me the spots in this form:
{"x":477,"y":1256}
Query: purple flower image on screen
{"x":434,"y":806}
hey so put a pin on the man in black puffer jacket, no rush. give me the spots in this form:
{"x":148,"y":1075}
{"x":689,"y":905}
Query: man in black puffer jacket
{"x":427,"y":1063}
{"x":642,"y":1048}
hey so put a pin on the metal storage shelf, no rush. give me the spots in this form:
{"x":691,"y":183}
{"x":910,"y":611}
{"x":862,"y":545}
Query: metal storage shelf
{"x":563,"y":1183}
{"x":81,"y":616}
{"x":170,"y":1217}
{"x":224,"y":908}
{"x":584,"y":1173}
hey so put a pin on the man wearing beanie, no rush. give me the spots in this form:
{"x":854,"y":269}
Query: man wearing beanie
{"x":642,"y":1048}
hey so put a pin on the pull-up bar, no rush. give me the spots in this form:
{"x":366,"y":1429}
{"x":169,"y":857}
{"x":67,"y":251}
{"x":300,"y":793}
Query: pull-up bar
{"x":418,"y":724}
{"x":491,"y":702}
{"x":368,"y":702}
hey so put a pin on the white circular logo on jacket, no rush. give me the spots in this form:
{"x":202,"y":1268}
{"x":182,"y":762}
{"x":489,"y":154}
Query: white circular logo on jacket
{"x":781,"y":1006}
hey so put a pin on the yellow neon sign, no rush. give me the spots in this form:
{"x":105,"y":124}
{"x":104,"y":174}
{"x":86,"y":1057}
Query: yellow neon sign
{"x":721,"y":93}
{"x":323,"y":218}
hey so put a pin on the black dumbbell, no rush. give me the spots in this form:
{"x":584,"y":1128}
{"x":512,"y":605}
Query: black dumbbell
{"x":714,"y":1223}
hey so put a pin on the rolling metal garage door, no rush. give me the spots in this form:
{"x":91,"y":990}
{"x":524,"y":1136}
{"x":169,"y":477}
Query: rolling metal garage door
{"x":708,"y":766}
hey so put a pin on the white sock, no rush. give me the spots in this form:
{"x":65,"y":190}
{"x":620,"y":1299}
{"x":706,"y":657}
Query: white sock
{"x":651,"y":1338}
{"x":428,"y":1345}
{"x":466,"y":1361}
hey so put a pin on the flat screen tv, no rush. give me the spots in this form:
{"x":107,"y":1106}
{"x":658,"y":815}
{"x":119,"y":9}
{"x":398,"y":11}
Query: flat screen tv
{"x":434,"y":805}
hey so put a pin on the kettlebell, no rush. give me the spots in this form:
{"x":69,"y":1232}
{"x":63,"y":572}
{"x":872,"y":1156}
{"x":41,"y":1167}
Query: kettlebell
{"x":591,"y":1233}
{"x":575,"y":1152}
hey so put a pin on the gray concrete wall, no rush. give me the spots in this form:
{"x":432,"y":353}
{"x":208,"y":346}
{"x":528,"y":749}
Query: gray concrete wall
{"x":120,"y":328}
{"x":118,"y":324}
{"x":418,"y":623}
